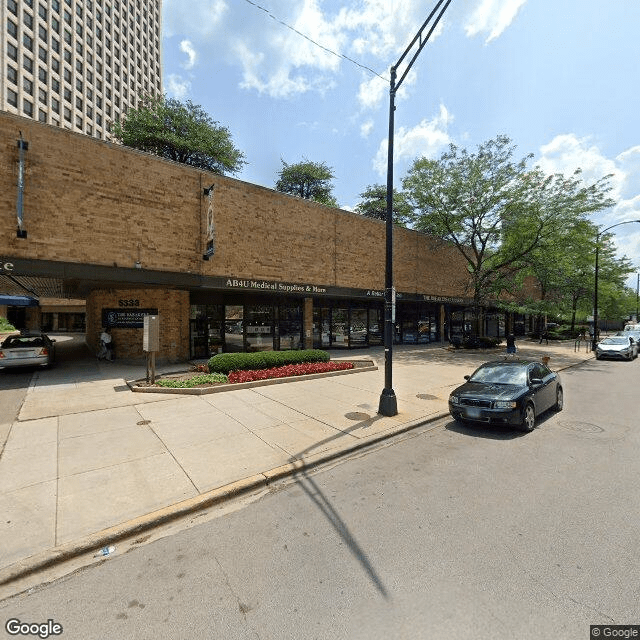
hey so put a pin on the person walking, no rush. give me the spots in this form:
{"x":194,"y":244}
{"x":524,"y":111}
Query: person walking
{"x":106,"y":345}
{"x":544,"y":335}
{"x":511,"y":344}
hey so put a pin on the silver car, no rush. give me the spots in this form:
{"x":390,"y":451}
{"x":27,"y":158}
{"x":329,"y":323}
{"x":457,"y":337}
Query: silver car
{"x":617,"y":347}
{"x":27,"y":350}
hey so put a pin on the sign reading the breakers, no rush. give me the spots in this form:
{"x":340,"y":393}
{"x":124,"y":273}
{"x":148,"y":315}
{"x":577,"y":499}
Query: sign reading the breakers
{"x":126,"y":318}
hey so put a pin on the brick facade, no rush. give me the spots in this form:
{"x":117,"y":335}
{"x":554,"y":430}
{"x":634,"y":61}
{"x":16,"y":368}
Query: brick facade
{"x":95,"y":203}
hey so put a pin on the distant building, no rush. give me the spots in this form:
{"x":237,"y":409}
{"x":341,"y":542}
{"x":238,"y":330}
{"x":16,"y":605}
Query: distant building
{"x":78,"y":64}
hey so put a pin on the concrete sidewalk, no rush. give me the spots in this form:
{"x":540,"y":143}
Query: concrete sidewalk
{"x":89,"y":461}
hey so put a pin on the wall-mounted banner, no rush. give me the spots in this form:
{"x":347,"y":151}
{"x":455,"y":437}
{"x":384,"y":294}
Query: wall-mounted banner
{"x":126,"y":318}
{"x":210,"y":229}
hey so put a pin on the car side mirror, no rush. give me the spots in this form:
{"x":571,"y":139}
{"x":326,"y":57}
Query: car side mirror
{"x":536,"y":381}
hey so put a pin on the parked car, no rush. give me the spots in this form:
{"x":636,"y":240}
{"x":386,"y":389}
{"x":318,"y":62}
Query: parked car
{"x":635,"y":334}
{"x":27,"y":350}
{"x":617,"y":347}
{"x":510,"y":392}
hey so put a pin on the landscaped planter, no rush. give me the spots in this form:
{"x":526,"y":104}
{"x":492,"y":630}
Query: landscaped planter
{"x":141,"y":386}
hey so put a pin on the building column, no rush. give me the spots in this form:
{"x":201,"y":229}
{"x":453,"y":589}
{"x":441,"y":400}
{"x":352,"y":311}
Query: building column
{"x":307,"y":323}
{"x":442,"y":322}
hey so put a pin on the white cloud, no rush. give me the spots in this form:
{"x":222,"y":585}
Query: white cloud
{"x":293,"y":48}
{"x":566,"y":153}
{"x":199,"y":20}
{"x":426,"y":139}
{"x":366,"y":128}
{"x":492,"y":17}
{"x":177,"y":87}
{"x":372,"y":92}
{"x":187,"y":47}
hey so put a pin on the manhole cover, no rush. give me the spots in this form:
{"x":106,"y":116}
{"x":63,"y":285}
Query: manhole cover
{"x":356,"y":415}
{"x":582,"y":427}
{"x":143,"y":422}
{"x":426,"y":396}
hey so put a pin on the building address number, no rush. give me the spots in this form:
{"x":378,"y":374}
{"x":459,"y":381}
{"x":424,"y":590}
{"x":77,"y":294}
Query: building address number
{"x":129,"y":303}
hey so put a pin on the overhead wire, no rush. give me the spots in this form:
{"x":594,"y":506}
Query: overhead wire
{"x":317,"y":44}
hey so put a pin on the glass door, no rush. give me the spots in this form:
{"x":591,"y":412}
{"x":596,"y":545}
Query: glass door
{"x":339,"y":328}
{"x":358,"y":328}
{"x":233,"y":327}
{"x":259,"y":327}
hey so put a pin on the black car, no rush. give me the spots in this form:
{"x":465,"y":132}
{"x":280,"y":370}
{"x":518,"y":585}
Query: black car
{"x":511,"y":392}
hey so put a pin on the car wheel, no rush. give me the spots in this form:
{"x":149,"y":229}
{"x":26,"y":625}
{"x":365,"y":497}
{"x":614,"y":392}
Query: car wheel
{"x":529,"y":418}
{"x":559,"y":400}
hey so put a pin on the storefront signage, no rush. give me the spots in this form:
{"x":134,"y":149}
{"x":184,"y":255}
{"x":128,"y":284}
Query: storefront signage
{"x":126,"y":318}
{"x":6,"y":267}
{"x":453,"y":300}
{"x":271,"y":285}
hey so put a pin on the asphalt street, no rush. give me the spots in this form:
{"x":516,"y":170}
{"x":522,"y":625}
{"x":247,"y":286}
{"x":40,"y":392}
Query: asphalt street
{"x":449,"y":531}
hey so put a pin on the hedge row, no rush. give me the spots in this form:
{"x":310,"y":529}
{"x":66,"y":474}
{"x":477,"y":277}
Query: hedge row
{"x":227,"y":362}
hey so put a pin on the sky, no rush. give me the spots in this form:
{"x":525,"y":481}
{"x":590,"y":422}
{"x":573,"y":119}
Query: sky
{"x":297,"y":80}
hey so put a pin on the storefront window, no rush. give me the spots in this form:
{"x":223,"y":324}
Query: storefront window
{"x":339,"y":328}
{"x":233,"y":325}
{"x":321,"y":327}
{"x":259,"y":327}
{"x":376,"y":325}
{"x":290,"y":327}
{"x":358,"y":336}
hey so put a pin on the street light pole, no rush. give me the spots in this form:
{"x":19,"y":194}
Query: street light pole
{"x":594,"y":341}
{"x":388,"y":405}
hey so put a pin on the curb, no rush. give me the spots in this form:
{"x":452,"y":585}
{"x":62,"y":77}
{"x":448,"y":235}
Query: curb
{"x":69,"y":551}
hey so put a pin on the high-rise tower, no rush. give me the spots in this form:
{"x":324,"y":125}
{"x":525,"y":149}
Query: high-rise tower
{"x":78,"y":64}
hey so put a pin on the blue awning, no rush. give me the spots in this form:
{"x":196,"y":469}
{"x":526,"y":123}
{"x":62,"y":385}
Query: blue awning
{"x":18,"y":301}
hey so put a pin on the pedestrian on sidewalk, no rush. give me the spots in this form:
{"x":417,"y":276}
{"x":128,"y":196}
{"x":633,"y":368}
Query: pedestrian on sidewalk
{"x":511,"y":344}
{"x":106,"y":345}
{"x":544,"y":335}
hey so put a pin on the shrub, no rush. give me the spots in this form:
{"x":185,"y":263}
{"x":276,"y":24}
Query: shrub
{"x":212,"y":378}
{"x":5,"y":325}
{"x":227,"y":362}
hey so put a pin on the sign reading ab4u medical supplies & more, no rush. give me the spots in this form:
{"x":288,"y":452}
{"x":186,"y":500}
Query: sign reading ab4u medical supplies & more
{"x":126,"y":318}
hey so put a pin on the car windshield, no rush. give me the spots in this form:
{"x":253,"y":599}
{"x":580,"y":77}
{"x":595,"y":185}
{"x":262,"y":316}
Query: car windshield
{"x":501,"y":374}
{"x":616,"y":340}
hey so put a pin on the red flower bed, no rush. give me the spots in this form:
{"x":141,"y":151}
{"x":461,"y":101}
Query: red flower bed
{"x":288,"y":370}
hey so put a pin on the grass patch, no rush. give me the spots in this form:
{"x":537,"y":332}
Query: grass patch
{"x":195,"y":381}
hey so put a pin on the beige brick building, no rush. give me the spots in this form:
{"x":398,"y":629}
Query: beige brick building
{"x":225,"y":264}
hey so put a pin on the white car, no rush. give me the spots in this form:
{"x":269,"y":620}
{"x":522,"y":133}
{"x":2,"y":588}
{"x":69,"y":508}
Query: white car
{"x":617,"y":347}
{"x":27,"y":350}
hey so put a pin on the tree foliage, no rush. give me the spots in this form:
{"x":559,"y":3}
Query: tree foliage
{"x":309,"y":180}
{"x":374,"y":205}
{"x":495,"y":210}
{"x":179,"y":131}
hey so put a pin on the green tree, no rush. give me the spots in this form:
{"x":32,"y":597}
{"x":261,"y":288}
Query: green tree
{"x":179,"y":131}
{"x":374,"y":205}
{"x":495,"y":211}
{"x":309,"y":180}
